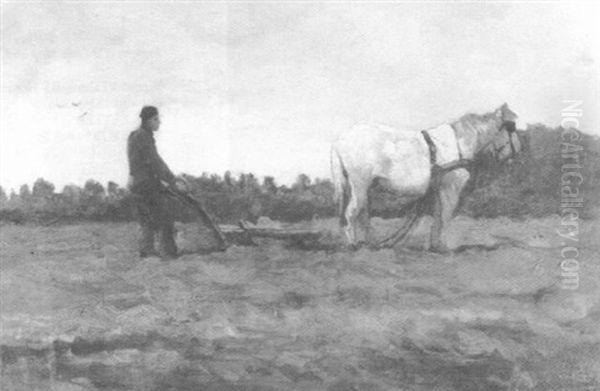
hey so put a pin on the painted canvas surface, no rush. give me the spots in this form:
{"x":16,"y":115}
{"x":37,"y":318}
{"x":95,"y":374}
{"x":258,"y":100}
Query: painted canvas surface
{"x":336,"y":196}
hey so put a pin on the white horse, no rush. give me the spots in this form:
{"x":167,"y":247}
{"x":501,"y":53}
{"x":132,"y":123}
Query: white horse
{"x":412,"y":164}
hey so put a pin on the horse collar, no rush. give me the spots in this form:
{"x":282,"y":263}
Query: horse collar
{"x":436,"y":168}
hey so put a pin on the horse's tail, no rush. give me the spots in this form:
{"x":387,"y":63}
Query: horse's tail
{"x":341,"y":184}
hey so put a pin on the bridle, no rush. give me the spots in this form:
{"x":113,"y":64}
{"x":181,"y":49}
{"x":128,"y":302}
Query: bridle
{"x":511,"y":128}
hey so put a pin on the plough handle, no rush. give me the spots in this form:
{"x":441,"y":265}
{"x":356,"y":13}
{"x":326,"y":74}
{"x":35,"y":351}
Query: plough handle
{"x":189,"y":200}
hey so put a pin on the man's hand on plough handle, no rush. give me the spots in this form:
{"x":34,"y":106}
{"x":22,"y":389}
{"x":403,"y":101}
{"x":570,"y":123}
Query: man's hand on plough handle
{"x":180,"y":191}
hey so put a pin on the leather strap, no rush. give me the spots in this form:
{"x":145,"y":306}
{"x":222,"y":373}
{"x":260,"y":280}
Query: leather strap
{"x":435,"y":167}
{"x":432,"y":148}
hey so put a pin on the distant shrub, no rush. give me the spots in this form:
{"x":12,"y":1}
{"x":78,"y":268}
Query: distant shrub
{"x":531,"y":185}
{"x":15,"y":216}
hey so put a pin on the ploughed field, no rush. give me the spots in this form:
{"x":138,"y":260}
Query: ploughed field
{"x":80,"y":311}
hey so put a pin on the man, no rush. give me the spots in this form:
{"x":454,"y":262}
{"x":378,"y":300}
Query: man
{"x":148,"y":172}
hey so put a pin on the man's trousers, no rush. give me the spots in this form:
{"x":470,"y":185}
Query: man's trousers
{"x":154,"y":219}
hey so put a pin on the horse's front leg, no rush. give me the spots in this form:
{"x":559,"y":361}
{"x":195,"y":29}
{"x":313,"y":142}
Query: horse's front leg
{"x":446,"y":197}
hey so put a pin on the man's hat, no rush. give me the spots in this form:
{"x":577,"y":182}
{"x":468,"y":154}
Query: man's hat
{"x":148,"y":112}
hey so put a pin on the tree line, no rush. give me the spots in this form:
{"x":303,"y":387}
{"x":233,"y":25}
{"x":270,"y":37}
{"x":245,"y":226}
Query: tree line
{"x":229,"y":198}
{"x":530,"y":186}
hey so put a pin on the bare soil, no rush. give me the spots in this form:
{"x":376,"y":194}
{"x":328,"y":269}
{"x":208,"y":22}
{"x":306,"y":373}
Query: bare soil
{"x":80,"y":311}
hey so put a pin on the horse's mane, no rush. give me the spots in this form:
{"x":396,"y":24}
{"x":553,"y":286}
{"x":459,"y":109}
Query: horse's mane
{"x":474,"y":128}
{"x":474,"y":122}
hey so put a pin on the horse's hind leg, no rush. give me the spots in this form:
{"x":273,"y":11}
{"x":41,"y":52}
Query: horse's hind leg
{"x":356,"y":214}
{"x":350,"y":216}
{"x":364,"y":221}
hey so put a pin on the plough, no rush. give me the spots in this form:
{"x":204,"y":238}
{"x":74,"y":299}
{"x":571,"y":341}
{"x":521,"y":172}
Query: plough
{"x":244,"y":233}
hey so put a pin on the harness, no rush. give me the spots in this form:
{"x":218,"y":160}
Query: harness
{"x":437,"y":171}
{"x":443,"y":168}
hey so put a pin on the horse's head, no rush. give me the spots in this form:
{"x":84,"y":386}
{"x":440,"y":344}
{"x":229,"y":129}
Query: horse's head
{"x":505,"y":143}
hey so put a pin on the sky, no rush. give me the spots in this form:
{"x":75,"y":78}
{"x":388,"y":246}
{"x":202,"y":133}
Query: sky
{"x":266,"y":87}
